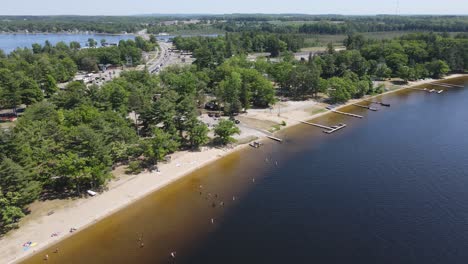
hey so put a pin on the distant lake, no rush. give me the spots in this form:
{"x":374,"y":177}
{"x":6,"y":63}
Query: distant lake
{"x":9,"y":42}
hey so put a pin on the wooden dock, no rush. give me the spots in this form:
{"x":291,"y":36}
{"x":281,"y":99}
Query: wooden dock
{"x":418,"y":89}
{"x":328,"y":130}
{"x":316,"y":125}
{"x":378,"y":102}
{"x":275,"y":138}
{"x":334,"y":128}
{"x":426,"y":90}
{"x":366,"y":107}
{"x":347,"y":114}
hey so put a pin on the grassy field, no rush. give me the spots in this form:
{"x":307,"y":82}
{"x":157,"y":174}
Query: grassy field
{"x":299,"y":23}
{"x":205,"y":31}
{"x":337,"y":40}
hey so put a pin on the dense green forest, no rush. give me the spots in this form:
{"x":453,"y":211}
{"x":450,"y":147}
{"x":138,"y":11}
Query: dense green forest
{"x":347,"y":73}
{"x":348,"y":24}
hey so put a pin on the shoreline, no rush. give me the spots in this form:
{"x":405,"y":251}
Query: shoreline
{"x":84,"y":212}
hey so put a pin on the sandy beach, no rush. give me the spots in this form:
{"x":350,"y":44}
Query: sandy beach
{"x":38,"y":226}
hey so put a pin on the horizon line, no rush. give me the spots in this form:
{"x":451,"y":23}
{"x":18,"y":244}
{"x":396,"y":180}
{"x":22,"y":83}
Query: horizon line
{"x":224,"y":14}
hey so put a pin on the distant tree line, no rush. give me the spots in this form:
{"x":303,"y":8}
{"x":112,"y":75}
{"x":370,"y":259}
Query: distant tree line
{"x":267,"y":23}
{"x":349,"y":24}
{"x":211,"y":51}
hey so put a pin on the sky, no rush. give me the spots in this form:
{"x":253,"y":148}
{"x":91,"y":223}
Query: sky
{"x":133,"y":7}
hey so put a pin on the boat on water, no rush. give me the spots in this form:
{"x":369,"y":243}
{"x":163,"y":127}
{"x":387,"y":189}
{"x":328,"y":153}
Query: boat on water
{"x":255,"y":144}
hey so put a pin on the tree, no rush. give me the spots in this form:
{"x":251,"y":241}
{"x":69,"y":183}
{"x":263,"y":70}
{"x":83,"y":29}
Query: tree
{"x":153,"y":39}
{"x":437,"y":68}
{"x":16,"y":179}
{"x":92,"y":43}
{"x":396,"y":60}
{"x":229,"y":93}
{"x":161,"y":112}
{"x":262,"y":91}
{"x":36,"y":48}
{"x":404,"y":72}
{"x":197,"y":134}
{"x":74,"y":45}
{"x":338,"y":89}
{"x":304,"y":80}
{"x":49,"y":86}
{"x":159,"y":145}
{"x":362,"y":88}
{"x":382,"y":71}
{"x":224,"y":131}
{"x":89,"y":64}
{"x":72,"y":96}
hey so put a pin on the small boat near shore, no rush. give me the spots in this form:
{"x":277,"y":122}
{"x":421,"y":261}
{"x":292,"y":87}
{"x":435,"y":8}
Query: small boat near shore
{"x":255,"y":144}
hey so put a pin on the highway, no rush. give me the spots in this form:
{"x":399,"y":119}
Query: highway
{"x":165,"y":56}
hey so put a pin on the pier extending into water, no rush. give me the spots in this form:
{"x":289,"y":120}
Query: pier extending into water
{"x":426,"y":90}
{"x":328,"y":130}
{"x":378,"y":102}
{"x":344,"y":113}
{"x":366,"y":107}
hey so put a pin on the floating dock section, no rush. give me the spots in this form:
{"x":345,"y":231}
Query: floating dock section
{"x":366,"y":107}
{"x":335,"y":128}
{"x":275,"y":138}
{"x":344,"y":113}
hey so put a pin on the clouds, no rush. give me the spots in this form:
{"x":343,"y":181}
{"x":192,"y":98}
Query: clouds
{"x":130,"y":7}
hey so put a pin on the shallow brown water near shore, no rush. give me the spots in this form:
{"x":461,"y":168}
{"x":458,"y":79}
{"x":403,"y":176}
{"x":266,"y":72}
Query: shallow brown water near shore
{"x":294,"y":201}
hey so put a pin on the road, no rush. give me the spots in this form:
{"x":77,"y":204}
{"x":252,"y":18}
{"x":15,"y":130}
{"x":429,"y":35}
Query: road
{"x":164,"y":56}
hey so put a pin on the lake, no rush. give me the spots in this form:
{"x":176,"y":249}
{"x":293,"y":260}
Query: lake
{"x":389,"y":188}
{"x":9,"y":42}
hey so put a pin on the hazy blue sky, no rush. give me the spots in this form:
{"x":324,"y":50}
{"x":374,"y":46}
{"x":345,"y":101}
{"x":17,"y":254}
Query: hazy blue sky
{"x":129,"y":7}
